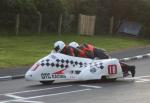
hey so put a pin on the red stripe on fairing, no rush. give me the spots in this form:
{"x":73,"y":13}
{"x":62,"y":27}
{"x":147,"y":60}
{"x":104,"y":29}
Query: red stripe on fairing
{"x":60,"y":72}
{"x":35,"y":67}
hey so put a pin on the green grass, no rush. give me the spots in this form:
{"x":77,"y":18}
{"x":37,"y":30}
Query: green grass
{"x":25,"y":50}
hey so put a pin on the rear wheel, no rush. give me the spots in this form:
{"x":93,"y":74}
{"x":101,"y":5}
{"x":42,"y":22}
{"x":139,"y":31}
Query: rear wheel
{"x":104,"y":78}
{"x":47,"y":82}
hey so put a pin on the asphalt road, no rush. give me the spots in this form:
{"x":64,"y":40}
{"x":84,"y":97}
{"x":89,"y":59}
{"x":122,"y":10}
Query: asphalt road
{"x":121,"y":91}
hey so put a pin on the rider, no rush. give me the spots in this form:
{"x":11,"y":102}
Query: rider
{"x":102,"y":54}
{"x":91,"y":51}
{"x":60,"y":47}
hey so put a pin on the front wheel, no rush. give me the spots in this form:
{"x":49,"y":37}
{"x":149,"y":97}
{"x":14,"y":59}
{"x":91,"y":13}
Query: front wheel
{"x":47,"y":82}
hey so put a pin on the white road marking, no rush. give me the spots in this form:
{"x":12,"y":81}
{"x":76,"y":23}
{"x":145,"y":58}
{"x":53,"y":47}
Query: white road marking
{"x":148,"y":54}
{"x":5,"y":77}
{"x":91,"y":86}
{"x":14,"y":96}
{"x":139,"y":56}
{"x":81,"y":90}
{"x":140,"y":79}
{"x":25,"y":101}
{"x":126,"y":59}
{"x":48,"y":95}
{"x":39,"y":89}
{"x":21,"y":99}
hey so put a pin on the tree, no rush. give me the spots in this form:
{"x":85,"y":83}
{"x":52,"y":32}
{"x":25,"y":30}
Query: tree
{"x":18,"y":7}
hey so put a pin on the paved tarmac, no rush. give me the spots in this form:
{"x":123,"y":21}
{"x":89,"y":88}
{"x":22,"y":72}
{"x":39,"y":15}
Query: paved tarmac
{"x":128,"y":90}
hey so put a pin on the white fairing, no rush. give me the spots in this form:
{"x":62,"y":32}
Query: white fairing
{"x":56,"y":66}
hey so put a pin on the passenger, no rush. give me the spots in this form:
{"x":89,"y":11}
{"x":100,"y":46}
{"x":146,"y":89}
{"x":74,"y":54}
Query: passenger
{"x":61,"y":47}
{"x":91,"y":51}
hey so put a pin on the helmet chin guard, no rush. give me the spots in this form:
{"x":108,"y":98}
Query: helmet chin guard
{"x":58,"y":46}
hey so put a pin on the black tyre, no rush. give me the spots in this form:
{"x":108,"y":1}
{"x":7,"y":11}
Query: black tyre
{"x":47,"y":82}
{"x":104,"y":78}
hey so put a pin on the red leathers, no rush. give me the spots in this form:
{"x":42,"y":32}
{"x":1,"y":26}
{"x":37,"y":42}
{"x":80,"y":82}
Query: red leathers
{"x":73,"y":52}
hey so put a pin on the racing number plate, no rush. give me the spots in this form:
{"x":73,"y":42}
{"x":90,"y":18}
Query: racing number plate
{"x":112,"y":69}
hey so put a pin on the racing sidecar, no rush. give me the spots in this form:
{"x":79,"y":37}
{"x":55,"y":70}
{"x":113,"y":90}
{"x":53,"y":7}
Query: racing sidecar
{"x":57,"y":66}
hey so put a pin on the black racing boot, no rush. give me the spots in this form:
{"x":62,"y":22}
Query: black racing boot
{"x":126,"y":68}
{"x":132,"y":70}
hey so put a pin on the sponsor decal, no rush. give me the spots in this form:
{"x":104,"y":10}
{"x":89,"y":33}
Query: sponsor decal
{"x":45,"y":76}
{"x":93,"y":70}
{"x":98,"y":65}
{"x":101,"y":66}
{"x":58,"y":76}
{"x":53,"y":76}
{"x":72,"y":77}
{"x":112,"y":69}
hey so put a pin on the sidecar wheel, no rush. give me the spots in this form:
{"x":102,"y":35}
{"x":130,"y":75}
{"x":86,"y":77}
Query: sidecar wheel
{"x":47,"y":82}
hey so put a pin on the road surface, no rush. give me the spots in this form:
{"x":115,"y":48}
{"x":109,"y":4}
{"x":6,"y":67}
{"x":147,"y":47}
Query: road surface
{"x":127,"y":90}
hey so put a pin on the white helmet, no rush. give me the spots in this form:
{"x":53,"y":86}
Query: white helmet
{"x":74,"y":44}
{"x":58,"y":46}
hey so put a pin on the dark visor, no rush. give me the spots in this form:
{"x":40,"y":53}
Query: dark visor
{"x":56,"y":48}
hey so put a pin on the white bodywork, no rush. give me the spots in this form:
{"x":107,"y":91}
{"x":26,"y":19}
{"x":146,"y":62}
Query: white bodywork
{"x":56,"y":66}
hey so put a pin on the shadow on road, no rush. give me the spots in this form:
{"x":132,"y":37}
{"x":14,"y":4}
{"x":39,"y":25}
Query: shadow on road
{"x":90,"y":82}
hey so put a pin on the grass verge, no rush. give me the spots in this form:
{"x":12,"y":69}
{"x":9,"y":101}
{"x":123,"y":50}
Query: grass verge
{"x":25,"y":50}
